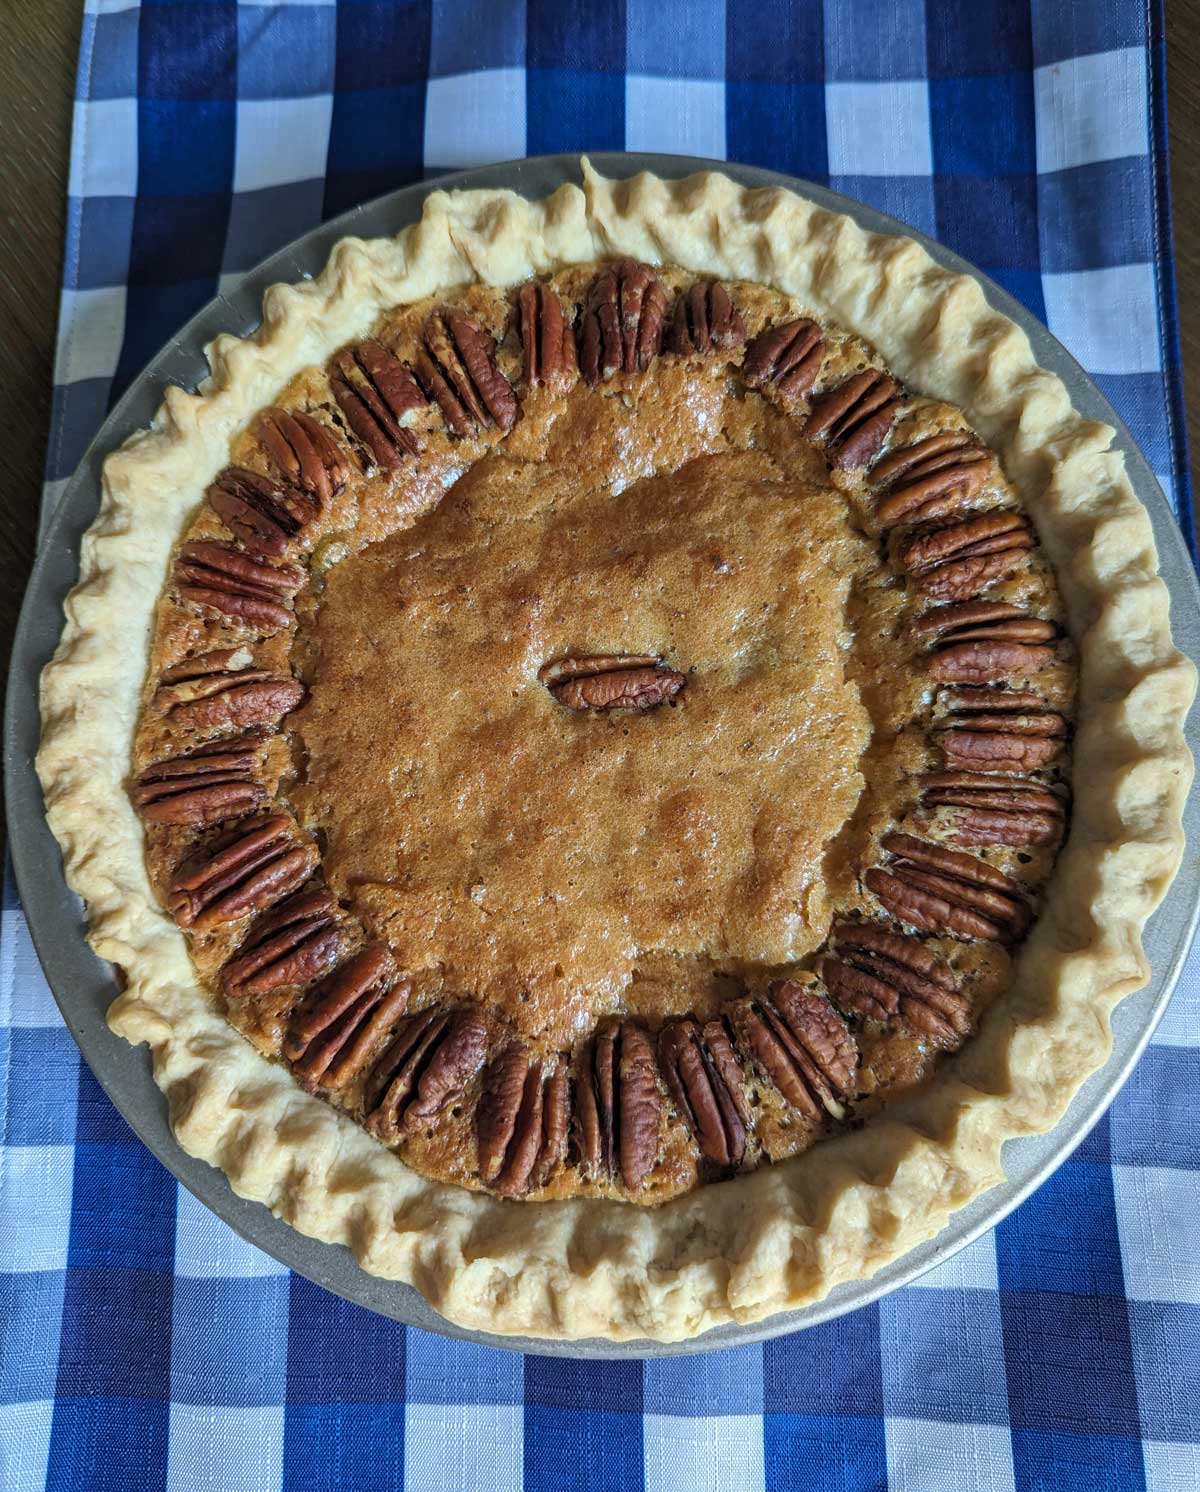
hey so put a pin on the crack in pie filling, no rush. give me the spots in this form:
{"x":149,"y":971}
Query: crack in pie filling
{"x":606,"y":735}
{"x":570,"y":737}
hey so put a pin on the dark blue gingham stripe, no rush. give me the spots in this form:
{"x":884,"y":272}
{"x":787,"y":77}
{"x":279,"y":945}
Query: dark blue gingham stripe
{"x":141,"y":1344}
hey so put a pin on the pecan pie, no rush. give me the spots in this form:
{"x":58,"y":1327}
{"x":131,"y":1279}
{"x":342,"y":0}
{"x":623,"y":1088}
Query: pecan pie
{"x":604,"y":733}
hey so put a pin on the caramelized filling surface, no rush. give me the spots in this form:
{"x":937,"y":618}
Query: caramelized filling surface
{"x":531,"y":854}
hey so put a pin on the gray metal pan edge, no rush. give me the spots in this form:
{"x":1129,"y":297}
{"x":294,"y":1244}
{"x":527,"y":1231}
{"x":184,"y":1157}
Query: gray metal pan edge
{"x":83,"y":985}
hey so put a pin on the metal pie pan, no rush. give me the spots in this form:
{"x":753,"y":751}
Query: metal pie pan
{"x":83,"y":984}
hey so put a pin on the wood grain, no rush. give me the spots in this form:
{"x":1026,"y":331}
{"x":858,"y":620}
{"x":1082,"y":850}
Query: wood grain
{"x":38,"y":45}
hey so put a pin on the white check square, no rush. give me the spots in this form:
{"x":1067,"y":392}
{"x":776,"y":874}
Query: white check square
{"x":25,"y":998}
{"x":35,"y":1207}
{"x":475,"y":117}
{"x":972,"y":1268}
{"x":25,"y":1442}
{"x":104,"y":148}
{"x":234,"y":1449}
{"x":879,"y":129}
{"x":91,"y":327}
{"x":1156,"y":1218}
{"x":280,"y":140}
{"x":1108,"y":318}
{"x":449,"y":1447}
{"x":207,"y":1248}
{"x":1180,"y":1025}
{"x":680,"y":116}
{"x":1089,"y":109}
{"x":705,"y":1453}
{"x":1171,"y":1466}
{"x":923,"y":1455}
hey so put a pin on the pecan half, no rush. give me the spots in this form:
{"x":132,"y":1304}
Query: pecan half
{"x":307,"y":453}
{"x":556,"y":1123}
{"x":521,"y":1122}
{"x":982,"y":621}
{"x":343,"y":1026}
{"x":622,"y":681}
{"x":427,"y":1067}
{"x":219,"y":577}
{"x":296,"y":942}
{"x":499,"y":1105}
{"x":938,"y":890}
{"x":223,"y":691}
{"x":703,"y":1077}
{"x":794,"y":1035}
{"x":547,"y":341}
{"x":456,"y":367}
{"x":999,"y":730}
{"x":621,"y":328}
{"x":983,"y":810}
{"x":854,"y":418}
{"x":203,"y":786}
{"x":960,"y":560}
{"x":705,"y":319}
{"x":618,"y":1104}
{"x":379,"y":397}
{"x":246,"y":871}
{"x":789,"y":357}
{"x":264,"y":516}
{"x":977,"y":641}
{"x":888,"y":976}
{"x":930,"y":478}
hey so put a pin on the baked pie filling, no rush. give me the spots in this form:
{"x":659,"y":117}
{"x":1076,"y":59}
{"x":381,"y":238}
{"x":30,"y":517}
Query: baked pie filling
{"x":606,"y":736}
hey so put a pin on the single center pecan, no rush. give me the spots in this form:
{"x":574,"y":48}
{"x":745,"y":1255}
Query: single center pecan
{"x":244,"y":872}
{"x":978,"y":641}
{"x":219,"y":577}
{"x":202,"y":787}
{"x":522,"y":1122}
{"x":705,"y":319}
{"x":888,"y":976}
{"x":264,"y":516}
{"x":223,"y":691}
{"x":344,"y":1024}
{"x":547,"y":341}
{"x":982,"y":809}
{"x":704,"y":1079}
{"x":306,"y":452}
{"x":621,"y":328}
{"x":802,"y":1044}
{"x":379,"y":398}
{"x":618,"y":1105}
{"x":787,"y":358}
{"x":930,"y":478}
{"x":619,"y":681}
{"x":294,"y":943}
{"x":960,"y":560}
{"x":456,"y":367}
{"x":942,"y":891}
{"x":999,"y":730}
{"x":854,"y":418}
{"x":427,"y":1067}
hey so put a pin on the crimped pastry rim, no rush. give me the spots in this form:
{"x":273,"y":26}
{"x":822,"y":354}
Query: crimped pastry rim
{"x":761,"y":1243}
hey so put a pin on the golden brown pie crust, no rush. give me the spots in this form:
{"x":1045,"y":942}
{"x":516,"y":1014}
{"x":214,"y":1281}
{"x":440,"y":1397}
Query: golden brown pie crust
{"x":633,"y":873}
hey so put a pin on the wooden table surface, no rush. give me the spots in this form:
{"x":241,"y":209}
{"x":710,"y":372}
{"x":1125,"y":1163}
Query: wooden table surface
{"x":38,"y":45}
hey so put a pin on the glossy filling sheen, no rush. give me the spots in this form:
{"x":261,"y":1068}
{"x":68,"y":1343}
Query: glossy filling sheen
{"x":538,"y":856}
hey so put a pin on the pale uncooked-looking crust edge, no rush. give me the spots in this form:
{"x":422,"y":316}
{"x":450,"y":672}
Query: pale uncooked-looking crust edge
{"x":785,"y":1235}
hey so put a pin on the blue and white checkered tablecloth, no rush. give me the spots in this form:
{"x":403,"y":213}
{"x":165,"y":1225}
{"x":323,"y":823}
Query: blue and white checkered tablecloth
{"x":142,"y":1344}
